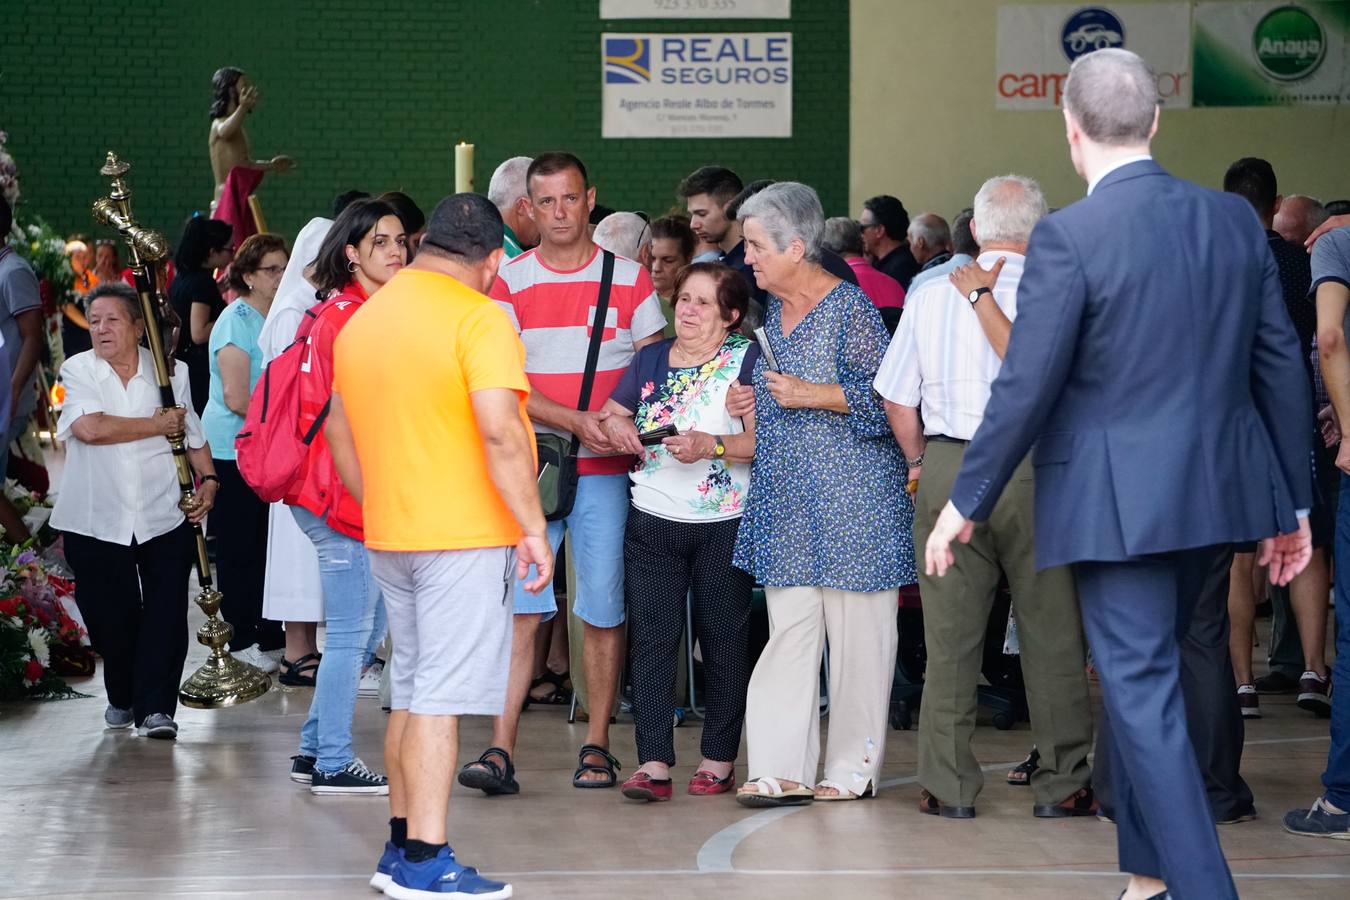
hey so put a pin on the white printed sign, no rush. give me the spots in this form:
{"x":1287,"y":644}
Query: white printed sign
{"x":695,"y":9}
{"x":696,"y":85}
{"x":1037,"y":43}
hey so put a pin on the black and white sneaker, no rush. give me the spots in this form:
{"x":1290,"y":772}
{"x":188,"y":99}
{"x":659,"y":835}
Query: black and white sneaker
{"x":302,"y":769}
{"x":353,"y":778}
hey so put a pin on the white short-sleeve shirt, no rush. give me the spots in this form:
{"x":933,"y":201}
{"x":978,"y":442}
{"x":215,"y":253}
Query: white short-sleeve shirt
{"x":126,"y":491}
{"x":940,"y":360}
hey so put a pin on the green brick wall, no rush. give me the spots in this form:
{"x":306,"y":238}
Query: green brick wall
{"x":371,"y":96}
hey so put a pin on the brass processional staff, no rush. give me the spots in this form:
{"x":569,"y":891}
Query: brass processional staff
{"x":222,"y":680}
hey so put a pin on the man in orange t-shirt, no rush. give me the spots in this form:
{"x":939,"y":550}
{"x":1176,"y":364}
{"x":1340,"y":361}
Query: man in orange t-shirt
{"x":428,"y":430}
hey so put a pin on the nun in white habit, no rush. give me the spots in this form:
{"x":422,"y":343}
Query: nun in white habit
{"x":292,"y":592}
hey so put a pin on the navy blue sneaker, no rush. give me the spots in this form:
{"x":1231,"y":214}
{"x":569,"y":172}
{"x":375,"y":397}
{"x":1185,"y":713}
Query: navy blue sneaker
{"x":384,"y":869}
{"x":1319,"y":821}
{"x":442,"y":876}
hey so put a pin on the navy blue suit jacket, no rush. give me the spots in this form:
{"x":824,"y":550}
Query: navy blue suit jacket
{"x":1153,"y":364}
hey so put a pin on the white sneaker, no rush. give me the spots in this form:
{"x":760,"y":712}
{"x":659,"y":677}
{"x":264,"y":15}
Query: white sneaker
{"x":255,"y":657}
{"x":370,"y":681}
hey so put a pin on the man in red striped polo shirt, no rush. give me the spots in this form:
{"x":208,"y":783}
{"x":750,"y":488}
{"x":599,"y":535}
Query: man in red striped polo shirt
{"x":551,"y":293}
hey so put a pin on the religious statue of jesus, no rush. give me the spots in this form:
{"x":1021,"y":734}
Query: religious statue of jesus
{"x":235,"y":97}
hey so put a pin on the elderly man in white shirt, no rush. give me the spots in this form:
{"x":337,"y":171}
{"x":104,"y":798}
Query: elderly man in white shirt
{"x":935,"y":380}
{"x":126,"y":539}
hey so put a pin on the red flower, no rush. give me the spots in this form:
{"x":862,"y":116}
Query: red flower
{"x":33,"y":672}
{"x":10,"y":606}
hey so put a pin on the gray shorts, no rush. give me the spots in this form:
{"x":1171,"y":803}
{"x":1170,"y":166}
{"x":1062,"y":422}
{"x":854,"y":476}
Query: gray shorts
{"x":450,"y":628}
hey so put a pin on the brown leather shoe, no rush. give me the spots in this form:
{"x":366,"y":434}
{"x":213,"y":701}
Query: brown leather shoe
{"x":931,"y":806}
{"x":1081,"y":802}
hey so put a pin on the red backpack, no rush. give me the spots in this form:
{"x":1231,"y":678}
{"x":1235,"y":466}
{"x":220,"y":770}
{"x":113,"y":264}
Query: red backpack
{"x":269,"y":449}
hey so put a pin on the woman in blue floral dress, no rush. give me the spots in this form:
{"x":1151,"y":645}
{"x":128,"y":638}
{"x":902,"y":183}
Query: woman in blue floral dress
{"x":827,"y":528}
{"x":689,"y":491}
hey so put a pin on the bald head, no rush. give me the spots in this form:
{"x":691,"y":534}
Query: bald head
{"x":1298,"y":217}
{"x":928,"y":236}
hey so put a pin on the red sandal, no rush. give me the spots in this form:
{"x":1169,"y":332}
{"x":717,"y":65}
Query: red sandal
{"x":705,"y":783}
{"x":641,"y":786}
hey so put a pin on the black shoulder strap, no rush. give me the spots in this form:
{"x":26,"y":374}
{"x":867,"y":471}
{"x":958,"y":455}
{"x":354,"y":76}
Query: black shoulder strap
{"x":597,"y":331}
{"x":597,"y":336}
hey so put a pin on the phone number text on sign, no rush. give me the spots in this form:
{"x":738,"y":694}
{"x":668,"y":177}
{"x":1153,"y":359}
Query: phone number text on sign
{"x":703,"y":9}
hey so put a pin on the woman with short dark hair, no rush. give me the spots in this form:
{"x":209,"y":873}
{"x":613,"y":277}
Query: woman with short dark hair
{"x":689,"y":487}
{"x":126,"y":538}
{"x":205,"y":245}
{"x":240,"y":522}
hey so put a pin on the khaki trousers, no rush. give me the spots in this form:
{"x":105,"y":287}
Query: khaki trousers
{"x":955,"y":611}
{"x":782,"y":720}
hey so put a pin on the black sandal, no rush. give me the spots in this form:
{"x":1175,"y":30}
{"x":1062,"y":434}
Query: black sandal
{"x":607,"y":767}
{"x":560,"y":693}
{"x":301,"y":672}
{"x":485,"y":775}
{"x":1020,"y":775}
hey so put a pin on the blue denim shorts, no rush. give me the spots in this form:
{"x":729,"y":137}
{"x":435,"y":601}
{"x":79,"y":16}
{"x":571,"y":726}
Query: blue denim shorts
{"x":595,"y":544}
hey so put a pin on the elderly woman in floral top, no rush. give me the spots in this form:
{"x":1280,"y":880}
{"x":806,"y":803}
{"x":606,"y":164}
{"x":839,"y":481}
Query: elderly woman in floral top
{"x":827,"y":529}
{"x":689,"y":488}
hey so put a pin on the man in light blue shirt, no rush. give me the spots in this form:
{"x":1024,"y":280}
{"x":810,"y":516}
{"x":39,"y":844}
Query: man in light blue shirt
{"x":964,"y":250}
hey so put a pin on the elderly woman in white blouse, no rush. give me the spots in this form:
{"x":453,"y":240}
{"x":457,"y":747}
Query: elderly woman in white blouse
{"x":126,"y":539}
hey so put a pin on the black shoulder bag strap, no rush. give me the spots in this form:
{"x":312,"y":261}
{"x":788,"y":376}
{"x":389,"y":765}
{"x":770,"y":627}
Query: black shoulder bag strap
{"x":597,"y":336}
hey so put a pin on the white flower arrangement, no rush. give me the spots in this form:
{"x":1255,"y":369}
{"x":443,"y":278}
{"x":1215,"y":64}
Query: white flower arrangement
{"x":37,"y":640}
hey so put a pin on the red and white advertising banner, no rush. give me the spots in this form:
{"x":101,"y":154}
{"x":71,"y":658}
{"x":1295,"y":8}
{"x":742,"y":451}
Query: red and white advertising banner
{"x":1037,"y":44}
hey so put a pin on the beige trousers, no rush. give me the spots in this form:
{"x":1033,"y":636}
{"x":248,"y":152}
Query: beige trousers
{"x":782,"y":720}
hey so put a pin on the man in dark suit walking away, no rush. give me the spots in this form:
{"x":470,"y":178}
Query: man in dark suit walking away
{"x":1152,"y":457}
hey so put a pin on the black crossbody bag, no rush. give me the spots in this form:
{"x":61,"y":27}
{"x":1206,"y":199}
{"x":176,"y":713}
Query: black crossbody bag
{"x":557,"y":454}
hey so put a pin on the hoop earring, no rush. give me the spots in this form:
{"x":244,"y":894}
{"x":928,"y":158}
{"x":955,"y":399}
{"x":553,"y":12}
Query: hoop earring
{"x":351,"y":266}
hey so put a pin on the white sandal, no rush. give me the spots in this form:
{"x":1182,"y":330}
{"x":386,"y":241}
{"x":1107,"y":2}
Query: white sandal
{"x":768,"y":792}
{"x":843,"y":793}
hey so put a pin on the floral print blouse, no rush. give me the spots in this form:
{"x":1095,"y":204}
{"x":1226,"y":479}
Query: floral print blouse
{"x":692,"y":399}
{"x":827,"y":502}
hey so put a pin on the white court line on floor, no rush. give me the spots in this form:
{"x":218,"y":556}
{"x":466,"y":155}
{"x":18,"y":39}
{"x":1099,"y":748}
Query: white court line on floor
{"x":718,"y":850}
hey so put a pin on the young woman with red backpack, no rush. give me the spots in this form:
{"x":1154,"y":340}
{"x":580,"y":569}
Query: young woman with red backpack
{"x":362,"y":251}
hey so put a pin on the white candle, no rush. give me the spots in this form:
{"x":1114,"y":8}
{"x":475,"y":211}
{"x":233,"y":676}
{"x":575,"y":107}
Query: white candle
{"x":463,"y":167}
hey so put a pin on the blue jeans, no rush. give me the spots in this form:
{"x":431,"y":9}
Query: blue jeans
{"x":351,"y":602}
{"x":594,"y":531}
{"x":1336,"y":779}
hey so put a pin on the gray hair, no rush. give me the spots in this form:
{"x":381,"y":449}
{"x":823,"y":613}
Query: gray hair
{"x":121,"y":291}
{"x":788,"y":210}
{"x":1113,"y":96}
{"x":843,"y":236}
{"x":931,"y":229}
{"x":1007,"y":208}
{"x":623,"y":234}
{"x":508,"y":182}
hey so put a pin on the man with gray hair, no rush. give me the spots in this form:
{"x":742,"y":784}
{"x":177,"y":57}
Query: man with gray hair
{"x":1298,"y":216}
{"x":625,"y":234}
{"x":945,"y":355}
{"x":964,"y":250}
{"x":507,"y":191}
{"x":930,"y":240}
{"x":1144,"y":466}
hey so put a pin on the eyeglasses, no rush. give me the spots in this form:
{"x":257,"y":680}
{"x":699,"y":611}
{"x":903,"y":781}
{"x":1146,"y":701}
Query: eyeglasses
{"x":866,"y":225}
{"x":646,"y":224}
{"x":271,"y":270}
